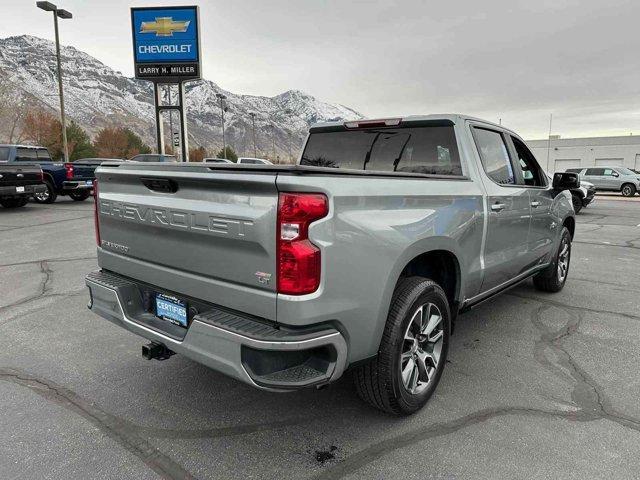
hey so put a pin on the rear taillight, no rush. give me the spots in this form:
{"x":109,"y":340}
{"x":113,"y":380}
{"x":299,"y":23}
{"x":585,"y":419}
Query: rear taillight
{"x":95,"y":211}
{"x":69,"y":168}
{"x":298,"y":258}
{"x":40,"y":176}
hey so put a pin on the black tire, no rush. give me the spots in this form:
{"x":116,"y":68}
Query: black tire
{"x":628,"y":190}
{"x":14,"y":202}
{"x":577,"y":203}
{"x":47,"y":197}
{"x":380,"y":382}
{"x":550,"y":280}
{"x":80,"y":196}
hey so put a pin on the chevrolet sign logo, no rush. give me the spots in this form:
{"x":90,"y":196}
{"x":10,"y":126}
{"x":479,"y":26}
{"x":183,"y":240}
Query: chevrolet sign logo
{"x":164,"y":26}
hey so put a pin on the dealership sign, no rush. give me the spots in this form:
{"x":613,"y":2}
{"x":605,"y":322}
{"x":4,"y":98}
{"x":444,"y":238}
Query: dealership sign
{"x":166,"y":43}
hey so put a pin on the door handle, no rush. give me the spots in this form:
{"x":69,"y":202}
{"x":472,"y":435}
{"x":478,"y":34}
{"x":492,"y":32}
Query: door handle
{"x":535,"y":204}
{"x":497,"y":207}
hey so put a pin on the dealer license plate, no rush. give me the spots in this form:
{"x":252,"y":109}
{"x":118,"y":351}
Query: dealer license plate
{"x":171,"y":309}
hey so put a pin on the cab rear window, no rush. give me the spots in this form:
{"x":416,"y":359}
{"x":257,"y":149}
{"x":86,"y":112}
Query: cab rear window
{"x":427,"y":150}
{"x":4,"y":154}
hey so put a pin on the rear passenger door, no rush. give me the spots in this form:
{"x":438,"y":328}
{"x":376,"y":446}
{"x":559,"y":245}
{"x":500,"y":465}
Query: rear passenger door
{"x":506,"y":242}
{"x":532,"y":177}
{"x":595,"y":176}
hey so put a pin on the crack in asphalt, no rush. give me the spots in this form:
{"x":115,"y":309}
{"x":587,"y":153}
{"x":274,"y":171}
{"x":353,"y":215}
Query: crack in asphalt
{"x":132,"y":437}
{"x":635,"y":247}
{"x":49,"y":260}
{"x":45,"y":285}
{"x":576,"y":307}
{"x":587,"y":396}
{"x":45,"y":223}
{"x":42,"y":288}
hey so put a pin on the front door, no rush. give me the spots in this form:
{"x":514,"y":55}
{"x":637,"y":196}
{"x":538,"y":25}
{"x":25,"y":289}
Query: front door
{"x":509,"y":211}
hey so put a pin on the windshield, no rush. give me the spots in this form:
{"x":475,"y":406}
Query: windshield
{"x":427,"y":150}
{"x":625,"y":171}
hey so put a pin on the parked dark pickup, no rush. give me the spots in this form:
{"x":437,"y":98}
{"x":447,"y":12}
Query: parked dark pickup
{"x":59,"y":178}
{"x":18,"y":183}
{"x":80,"y":176}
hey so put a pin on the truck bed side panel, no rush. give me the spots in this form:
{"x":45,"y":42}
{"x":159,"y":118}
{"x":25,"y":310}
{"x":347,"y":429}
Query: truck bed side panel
{"x":374,"y":228}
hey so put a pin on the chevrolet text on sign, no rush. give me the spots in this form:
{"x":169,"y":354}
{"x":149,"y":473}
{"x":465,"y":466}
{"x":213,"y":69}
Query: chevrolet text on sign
{"x":166,"y":43}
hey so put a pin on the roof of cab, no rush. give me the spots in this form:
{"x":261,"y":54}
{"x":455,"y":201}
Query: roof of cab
{"x":447,"y":117}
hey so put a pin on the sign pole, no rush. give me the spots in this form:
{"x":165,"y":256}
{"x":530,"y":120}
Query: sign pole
{"x":183,"y":125}
{"x":158,"y":107}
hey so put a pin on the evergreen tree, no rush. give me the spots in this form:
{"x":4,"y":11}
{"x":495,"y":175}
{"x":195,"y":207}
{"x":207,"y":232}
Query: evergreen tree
{"x":231,"y":154}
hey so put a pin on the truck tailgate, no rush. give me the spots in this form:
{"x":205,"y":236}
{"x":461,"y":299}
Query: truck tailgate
{"x":192,"y":230}
{"x":18,"y":175}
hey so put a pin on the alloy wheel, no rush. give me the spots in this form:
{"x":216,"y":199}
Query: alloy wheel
{"x":421,"y":348}
{"x":42,"y":196}
{"x":563,"y":260}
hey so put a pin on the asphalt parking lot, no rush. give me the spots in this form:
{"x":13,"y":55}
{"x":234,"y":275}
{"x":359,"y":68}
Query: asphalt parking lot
{"x":537,"y":386}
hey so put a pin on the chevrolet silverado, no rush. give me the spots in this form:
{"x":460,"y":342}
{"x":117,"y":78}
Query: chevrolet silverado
{"x":359,"y":258}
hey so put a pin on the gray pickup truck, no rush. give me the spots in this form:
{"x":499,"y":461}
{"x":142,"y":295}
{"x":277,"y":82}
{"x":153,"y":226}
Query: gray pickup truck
{"x":360,"y":257}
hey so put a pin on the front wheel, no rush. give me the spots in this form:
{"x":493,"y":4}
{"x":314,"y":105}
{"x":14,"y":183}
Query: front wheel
{"x":412,"y":352}
{"x":553,"y":278}
{"x":80,"y":196}
{"x":628,"y":190}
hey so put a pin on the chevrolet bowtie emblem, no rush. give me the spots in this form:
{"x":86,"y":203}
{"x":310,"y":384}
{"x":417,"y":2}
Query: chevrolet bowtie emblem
{"x":164,"y":27}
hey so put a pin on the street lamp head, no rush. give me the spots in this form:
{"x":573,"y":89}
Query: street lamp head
{"x":46,"y":6}
{"x":64,"y":14}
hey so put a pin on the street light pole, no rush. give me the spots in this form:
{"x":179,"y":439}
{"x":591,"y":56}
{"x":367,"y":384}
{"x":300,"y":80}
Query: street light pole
{"x":222,"y":97}
{"x":64,"y":14}
{"x":253,"y":122}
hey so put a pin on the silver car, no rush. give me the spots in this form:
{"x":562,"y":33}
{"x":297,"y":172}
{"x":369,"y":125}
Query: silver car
{"x":614,"y":179}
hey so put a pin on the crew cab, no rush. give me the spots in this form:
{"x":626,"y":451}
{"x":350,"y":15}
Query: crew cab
{"x":18,"y":183}
{"x":359,"y":257}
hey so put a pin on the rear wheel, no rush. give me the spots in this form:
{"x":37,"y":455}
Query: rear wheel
{"x":48,"y":196}
{"x":80,"y":195}
{"x":14,"y":202}
{"x":553,"y":278}
{"x":577,"y":203}
{"x":412,"y":352}
{"x":628,"y":190}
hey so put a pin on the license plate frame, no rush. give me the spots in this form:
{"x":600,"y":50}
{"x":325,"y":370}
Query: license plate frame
{"x":172,"y":309}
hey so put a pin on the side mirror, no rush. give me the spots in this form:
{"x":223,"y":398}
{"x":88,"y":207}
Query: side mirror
{"x":565,"y":181}
{"x":615,"y":174}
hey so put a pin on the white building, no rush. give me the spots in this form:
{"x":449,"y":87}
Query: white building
{"x":557,"y":154}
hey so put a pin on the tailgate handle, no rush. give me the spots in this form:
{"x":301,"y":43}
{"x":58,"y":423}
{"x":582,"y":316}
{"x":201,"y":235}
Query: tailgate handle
{"x":164,"y":185}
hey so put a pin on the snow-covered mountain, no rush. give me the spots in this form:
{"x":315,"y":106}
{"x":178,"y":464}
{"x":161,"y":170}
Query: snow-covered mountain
{"x":97,"y":96}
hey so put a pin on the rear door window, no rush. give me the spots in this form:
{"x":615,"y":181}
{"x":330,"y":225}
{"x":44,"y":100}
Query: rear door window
{"x":26,"y":155}
{"x":494,"y":156}
{"x":594,"y":171}
{"x":428,"y":150}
